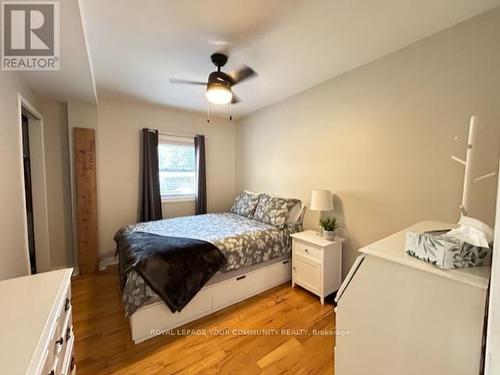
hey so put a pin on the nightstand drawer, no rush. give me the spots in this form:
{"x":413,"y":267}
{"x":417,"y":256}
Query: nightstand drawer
{"x":309,"y":250}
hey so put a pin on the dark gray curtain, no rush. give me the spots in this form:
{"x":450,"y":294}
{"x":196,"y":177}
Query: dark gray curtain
{"x":150,"y":179}
{"x":201,"y":175}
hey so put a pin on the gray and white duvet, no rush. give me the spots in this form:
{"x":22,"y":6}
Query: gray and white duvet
{"x":243,"y":241}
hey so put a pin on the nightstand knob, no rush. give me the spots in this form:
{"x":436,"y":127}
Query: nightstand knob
{"x":306,"y":250}
{"x":294,"y":268}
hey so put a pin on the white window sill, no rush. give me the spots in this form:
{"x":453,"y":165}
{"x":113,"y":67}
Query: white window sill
{"x":173,"y":199}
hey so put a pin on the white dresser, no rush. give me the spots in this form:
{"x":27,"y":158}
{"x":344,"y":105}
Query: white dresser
{"x":401,"y":315}
{"x":316,"y":263}
{"x":36,"y":335}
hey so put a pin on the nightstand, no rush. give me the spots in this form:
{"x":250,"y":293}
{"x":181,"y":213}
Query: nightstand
{"x":316,"y":263}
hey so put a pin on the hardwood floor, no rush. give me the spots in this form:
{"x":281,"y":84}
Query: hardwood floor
{"x":103,"y":344}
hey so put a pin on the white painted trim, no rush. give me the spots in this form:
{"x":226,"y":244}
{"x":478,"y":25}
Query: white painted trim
{"x":175,"y":140}
{"x":21,"y":183}
{"x":177,"y":198}
{"x":106,"y":262}
{"x":492,"y":360}
{"x":43,"y":252}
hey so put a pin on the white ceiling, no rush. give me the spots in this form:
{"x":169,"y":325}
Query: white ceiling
{"x":74,"y":81}
{"x":135,"y":46}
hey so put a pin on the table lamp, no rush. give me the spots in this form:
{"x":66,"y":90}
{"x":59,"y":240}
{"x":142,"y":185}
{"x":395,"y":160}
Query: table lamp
{"x":321,"y":200}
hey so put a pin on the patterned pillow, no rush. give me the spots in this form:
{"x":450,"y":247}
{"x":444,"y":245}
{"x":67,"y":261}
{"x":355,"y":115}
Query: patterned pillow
{"x":245,"y":204}
{"x":274,"y":210}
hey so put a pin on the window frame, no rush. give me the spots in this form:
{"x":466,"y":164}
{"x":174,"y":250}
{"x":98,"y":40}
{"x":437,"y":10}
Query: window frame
{"x":181,"y":141}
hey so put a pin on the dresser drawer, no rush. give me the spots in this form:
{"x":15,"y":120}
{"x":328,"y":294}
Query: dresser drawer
{"x":61,"y":335}
{"x":64,"y":315}
{"x":65,"y":368}
{"x":307,"y":249}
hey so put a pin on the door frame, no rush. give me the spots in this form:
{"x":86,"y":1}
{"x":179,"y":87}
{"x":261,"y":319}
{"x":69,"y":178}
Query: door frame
{"x":40,"y":207}
{"x":492,"y":360}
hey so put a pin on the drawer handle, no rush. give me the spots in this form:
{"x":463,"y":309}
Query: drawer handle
{"x":60,"y":341}
{"x":68,"y":333}
{"x":241,"y":277}
{"x":294,"y":268}
{"x":307,"y":250}
{"x":67,"y":304}
{"x":286,"y":262}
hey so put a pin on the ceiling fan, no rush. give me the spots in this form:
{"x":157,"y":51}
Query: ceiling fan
{"x":219,"y":85}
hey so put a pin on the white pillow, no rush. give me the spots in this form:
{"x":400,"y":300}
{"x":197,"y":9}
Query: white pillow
{"x":251,"y":192}
{"x":296,"y":214}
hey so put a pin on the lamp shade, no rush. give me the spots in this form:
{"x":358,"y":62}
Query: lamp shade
{"x":321,"y":200}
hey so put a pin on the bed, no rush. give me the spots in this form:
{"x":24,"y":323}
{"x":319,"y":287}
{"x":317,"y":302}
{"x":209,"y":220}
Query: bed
{"x":255,"y":252}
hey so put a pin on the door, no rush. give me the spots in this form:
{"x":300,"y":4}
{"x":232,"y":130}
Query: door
{"x":29,"y":193}
{"x":307,"y":273}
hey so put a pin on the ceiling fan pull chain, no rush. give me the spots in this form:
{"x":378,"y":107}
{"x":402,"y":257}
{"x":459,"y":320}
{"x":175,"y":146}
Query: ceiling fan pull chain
{"x":208,"y":112}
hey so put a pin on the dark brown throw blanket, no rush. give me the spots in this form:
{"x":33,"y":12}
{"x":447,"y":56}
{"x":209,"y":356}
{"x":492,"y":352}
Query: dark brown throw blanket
{"x":175,"y":268}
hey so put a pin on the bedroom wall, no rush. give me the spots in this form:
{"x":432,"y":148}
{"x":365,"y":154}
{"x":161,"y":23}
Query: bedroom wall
{"x":380,"y":137}
{"x":120,"y":121}
{"x":13,"y":255}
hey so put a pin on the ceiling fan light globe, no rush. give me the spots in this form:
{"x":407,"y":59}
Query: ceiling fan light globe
{"x":219,"y":95}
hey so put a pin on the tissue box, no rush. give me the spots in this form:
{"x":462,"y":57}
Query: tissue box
{"x":445,"y":251}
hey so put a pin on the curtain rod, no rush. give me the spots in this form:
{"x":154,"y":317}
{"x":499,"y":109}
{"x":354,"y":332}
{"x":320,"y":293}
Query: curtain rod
{"x":178,"y":134}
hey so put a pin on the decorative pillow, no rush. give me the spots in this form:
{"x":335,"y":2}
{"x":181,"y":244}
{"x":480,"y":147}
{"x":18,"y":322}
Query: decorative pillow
{"x":274,"y":210}
{"x":296,"y":214}
{"x":245,"y":204}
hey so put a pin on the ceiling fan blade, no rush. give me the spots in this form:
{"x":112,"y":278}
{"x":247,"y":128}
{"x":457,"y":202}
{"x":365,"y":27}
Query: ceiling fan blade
{"x":187,"y":82}
{"x":242,"y":74}
{"x":235,"y":99}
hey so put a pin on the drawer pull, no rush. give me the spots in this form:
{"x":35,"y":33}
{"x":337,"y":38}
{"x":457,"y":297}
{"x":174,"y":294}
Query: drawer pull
{"x":294,"y":268}
{"x":60,"y":341}
{"x":286,"y":261}
{"x":306,"y":250}
{"x":68,"y":333}
{"x":241,"y":277}
{"x":67,"y":304}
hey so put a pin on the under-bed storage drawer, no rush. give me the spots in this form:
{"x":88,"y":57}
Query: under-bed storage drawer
{"x":159,"y":313}
{"x":238,"y":288}
{"x":151,"y":319}
{"x":235,"y":289}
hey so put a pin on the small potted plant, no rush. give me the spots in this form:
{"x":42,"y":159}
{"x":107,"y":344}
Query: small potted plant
{"x":328,"y":227}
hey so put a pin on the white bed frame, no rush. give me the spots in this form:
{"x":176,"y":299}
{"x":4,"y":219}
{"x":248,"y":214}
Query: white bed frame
{"x":225,"y":290}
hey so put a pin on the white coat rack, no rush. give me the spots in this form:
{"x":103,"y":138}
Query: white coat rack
{"x":467,"y":163}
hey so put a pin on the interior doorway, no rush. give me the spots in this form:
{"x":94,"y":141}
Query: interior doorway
{"x":33,"y":174}
{"x":28,"y":188}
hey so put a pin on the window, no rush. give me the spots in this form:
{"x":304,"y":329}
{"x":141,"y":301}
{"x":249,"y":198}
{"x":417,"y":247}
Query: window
{"x":177,"y":166}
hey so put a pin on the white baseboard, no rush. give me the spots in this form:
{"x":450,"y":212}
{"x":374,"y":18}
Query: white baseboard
{"x":106,"y":262}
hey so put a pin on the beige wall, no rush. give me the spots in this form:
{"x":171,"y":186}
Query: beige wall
{"x":55,"y":116}
{"x":13,"y":248}
{"x":118,"y":140}
{"x":380,"y":137}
